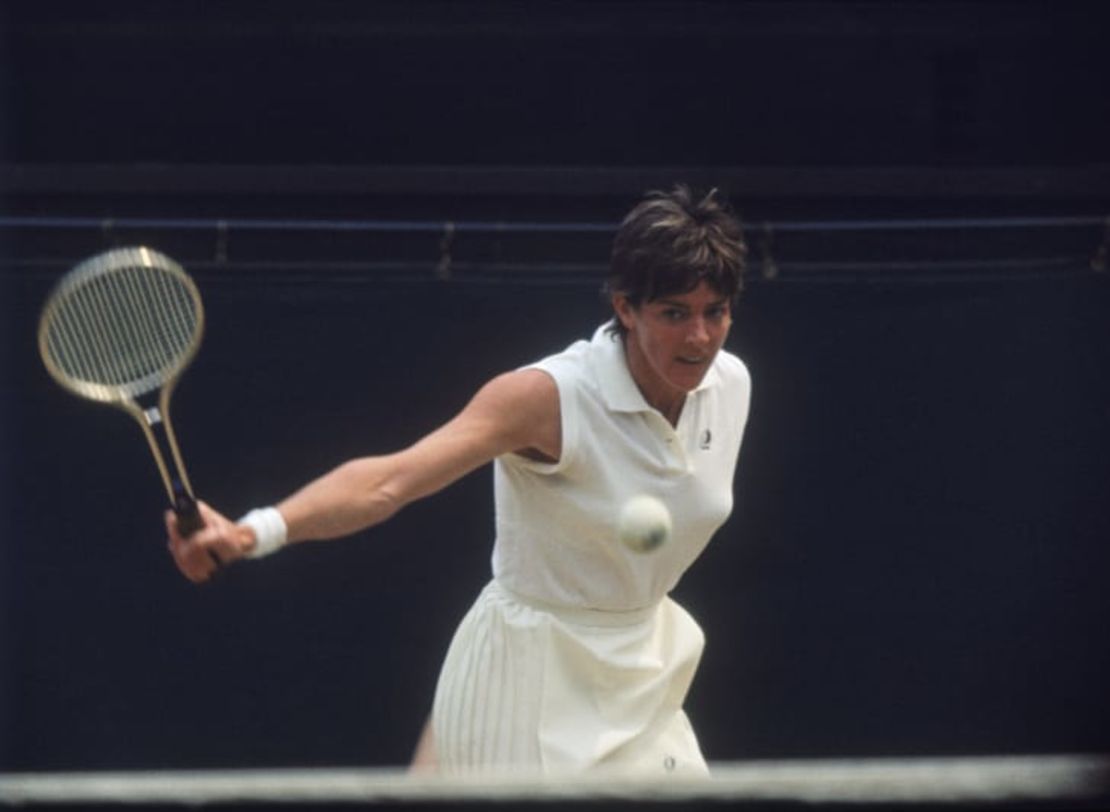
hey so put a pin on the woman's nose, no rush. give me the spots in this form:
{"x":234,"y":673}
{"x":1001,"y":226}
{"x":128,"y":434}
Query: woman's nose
{"x":699,"y":331}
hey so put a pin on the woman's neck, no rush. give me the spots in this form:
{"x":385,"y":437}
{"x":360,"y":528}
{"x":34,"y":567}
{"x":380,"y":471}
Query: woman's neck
{"x":664,"y":399}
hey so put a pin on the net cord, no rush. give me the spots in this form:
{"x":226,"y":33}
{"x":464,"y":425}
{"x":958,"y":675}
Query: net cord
{"x":967,"y":780}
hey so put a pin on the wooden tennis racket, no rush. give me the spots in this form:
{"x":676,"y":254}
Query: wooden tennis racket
{"x":118,"y":328}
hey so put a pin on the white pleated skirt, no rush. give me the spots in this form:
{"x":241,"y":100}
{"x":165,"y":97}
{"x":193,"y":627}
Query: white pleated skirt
{"x":530,"y":687}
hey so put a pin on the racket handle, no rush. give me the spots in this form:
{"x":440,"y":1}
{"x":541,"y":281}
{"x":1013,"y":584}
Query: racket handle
{"x":188,"y":517}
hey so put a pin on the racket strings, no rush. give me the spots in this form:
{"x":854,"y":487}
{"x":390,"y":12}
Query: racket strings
{"x":127,"y":328}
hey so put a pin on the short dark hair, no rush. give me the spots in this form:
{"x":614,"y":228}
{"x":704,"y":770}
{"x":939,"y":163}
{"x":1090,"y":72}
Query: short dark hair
{"x":673,"y":241}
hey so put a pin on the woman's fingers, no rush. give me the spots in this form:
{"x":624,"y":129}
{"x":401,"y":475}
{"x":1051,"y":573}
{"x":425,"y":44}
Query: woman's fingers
{"x":219,"y":542}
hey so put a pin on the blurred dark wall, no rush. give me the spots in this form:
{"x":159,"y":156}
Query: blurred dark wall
{"x":916,"y":560}
{"x":599,"y":83}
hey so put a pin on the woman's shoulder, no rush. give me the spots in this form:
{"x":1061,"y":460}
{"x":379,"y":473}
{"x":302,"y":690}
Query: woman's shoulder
{"x":577,"y":361}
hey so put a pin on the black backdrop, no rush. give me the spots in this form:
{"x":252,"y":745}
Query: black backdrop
{"x":916,"y":564}
{"x":917,"y":558}
{"x":604,"y":83}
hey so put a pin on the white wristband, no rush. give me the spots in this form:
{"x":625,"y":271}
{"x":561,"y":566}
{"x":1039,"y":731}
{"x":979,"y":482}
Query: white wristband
{"x":269,"y":531}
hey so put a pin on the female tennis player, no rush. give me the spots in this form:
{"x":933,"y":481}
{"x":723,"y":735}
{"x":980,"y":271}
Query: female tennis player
{"x":573,"y":656}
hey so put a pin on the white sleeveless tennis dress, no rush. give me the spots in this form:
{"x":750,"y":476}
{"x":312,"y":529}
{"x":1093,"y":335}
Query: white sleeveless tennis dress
{"x":574,"y":657}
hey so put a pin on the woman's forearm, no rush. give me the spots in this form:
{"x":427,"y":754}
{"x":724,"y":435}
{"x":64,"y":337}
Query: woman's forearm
{"x":356,"y":495}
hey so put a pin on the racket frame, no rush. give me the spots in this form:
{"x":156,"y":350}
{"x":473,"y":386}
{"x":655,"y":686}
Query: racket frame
{"x":126,"y":397}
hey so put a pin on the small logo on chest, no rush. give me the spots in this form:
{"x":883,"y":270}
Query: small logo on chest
{"x":705,"y":439}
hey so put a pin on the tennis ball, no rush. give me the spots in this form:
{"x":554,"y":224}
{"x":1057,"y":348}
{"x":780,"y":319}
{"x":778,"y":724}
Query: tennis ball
{"x":644,"y":524}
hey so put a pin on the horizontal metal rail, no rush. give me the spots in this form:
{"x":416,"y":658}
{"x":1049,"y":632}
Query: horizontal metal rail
{"x":530,"y":227}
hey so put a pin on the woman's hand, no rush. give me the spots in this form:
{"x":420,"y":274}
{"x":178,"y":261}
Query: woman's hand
{"x":218,"y":543}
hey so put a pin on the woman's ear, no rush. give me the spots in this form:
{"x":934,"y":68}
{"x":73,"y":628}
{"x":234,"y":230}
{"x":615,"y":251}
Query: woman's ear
{"x":625,"y":310}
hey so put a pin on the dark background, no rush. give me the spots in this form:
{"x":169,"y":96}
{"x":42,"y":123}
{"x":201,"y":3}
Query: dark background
{"x":918,"y":558}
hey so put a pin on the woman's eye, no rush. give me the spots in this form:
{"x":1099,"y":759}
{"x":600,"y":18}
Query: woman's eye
{"x":673,"y":314}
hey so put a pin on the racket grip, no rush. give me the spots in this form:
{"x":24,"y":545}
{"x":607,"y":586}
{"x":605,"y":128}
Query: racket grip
{"x":188,"y":517}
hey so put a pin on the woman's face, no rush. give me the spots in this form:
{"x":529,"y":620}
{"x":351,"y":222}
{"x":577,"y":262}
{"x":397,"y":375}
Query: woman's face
{"x":672,"y":341}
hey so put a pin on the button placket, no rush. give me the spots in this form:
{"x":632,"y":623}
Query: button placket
{"x":674,"y":453}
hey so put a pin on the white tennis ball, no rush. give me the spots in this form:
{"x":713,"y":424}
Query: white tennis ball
{"x":644,"y":524}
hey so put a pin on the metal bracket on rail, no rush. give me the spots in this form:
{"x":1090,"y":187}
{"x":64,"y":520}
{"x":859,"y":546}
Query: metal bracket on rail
{"x":446,"y":242}
{"x":221,"y":241}
{"x":108,"y":232}
{"x":1100,"y":261}
{"x":767,"y":265}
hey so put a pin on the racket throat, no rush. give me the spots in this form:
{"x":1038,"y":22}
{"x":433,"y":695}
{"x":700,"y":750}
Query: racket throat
{"x":154,"y":419}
